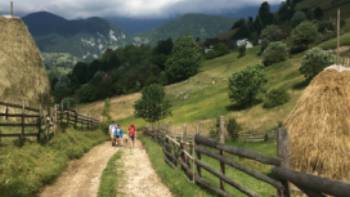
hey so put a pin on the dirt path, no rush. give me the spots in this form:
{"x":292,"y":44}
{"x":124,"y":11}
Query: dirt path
{"x":82,"y":177}
{"x":139,"y":178}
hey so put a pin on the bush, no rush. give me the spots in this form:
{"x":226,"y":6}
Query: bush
{"x":69,"y":103}
{"x":271,"y":33}
{"x":233,"y":128}
{"x":314,"y":61}
{"x":219,"y":49}
{"x":274,"y":53}
{"x":303,"y":35}
{"x":245,"y":86}
{"x":153,"y":106}
{"x":275,"y":98}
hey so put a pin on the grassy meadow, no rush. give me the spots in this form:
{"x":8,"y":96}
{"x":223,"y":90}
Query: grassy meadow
{"x":204,"y":96}
{"x":24,"y":170}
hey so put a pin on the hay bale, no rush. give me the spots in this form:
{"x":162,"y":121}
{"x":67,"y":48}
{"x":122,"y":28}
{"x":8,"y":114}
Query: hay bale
{"x":22,"y":73}
{"x":319,"y":126}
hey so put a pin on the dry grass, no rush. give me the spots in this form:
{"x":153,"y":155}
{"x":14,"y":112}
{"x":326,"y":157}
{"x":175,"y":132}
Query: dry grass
{"x":22,"y":73}
{"x":319,"y":127}
{"x":121,"y":107}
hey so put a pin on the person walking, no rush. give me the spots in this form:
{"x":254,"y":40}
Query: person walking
{"x":132,"y":134}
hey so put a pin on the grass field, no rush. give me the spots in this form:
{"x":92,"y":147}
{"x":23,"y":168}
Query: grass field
{"x":205,"y":96}
{"x":181,"y":186}
{"x":24,"y":170}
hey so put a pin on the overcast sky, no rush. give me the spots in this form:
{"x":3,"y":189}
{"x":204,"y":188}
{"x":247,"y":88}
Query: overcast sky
{"x":127,"y":8}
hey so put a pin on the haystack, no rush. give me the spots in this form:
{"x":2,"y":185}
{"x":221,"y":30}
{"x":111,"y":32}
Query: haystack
{"x":22,"y":73}
{"x":319,"y":126}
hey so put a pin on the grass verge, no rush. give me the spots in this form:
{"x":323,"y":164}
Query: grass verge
{"x":109,"y":181}
{"x":174,"y":179}
{"x":24,"y":170}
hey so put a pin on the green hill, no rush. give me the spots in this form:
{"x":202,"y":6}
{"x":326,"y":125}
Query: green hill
{"x":204,"y":97}
{"x":328,"y":6}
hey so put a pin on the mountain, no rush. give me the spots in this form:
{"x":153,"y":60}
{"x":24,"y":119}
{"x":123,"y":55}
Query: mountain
{"x":137,"y":25}
{"x":198,"y":25}
{"x":84,"y":39}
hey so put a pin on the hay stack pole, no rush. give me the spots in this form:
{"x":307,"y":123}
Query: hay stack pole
{"x":11,"y":9}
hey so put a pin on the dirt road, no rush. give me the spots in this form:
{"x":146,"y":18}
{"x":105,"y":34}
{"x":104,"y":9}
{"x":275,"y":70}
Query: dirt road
{"x":139,"y":178}
{"x":82,"y":177}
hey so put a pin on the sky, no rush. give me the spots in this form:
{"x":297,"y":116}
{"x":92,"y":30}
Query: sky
{"x":127,"y":8}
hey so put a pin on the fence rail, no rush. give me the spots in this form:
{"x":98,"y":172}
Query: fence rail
{"x":188,"y":155}
{"x":34,"y":122}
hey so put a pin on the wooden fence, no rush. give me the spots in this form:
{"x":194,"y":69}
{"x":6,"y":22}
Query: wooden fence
{"x":33,"y":122}
{"x":188,"y":155}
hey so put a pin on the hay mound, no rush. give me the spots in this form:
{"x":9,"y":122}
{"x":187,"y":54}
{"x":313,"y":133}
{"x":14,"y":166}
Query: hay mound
{"x":22,"y":73}
{"x":319,"y":126}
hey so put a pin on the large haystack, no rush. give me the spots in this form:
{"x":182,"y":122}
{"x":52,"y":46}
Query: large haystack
{"x":22,"y":73}
{"x":319,"y":126}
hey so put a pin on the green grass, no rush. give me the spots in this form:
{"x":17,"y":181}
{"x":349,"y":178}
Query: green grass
{"x":180,"y":186}
{"x":24,"y":170}
{"x":331,"y":44}
{"x":205,"y":95}
{"x":174,"y":179}
{"x":109,"y":178}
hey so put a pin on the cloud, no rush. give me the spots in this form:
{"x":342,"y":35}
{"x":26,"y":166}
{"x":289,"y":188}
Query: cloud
{"x":128,"y":8}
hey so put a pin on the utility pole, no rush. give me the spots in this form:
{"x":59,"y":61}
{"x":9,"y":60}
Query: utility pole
{"x":338,"y":36}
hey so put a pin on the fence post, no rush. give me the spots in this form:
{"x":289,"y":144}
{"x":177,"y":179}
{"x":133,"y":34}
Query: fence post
{"x":222,"y":130}
{"x":75,"y":119}
{"x":68,"y":116}
{"x":39,"y":124}
{"x":282,"y":151}
{"x":22,"y":122}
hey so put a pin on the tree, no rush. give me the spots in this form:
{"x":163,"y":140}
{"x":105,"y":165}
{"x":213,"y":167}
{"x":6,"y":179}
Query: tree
{"x":161,"y":52}
{"x":62,"y":88}
{"x":303,"y":35}
{"x":274,"y":53}
{"x":265,"y":17}
{"x":314,"y":61}
{"x":184,"y":60}
{"x":298,"y":18}
{"x":233,"y":128}
{"x":153,"y":106}
{"x":271,"y":33}
{"x":275,"y":98}
{"x":106,"y":110}
{"x":245,"y":86}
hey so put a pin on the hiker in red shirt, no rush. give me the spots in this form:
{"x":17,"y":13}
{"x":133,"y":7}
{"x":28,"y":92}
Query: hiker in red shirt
{"x":132,"y":134}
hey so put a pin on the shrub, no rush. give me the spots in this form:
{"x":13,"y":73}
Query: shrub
{"x":271,"y":33}
{"x":153,"y":106}
{"x":303,"y":35}
{"x":274,"y":53}
{"x":233,"y":128}
{"x":245,"y":86}
{"x":298,"y":18}
{"x":69,"y":103}
{"x":219,"y":49}
{"x":242,"y":51}
{"x":314,"y":61}
{"x":275,"y":98}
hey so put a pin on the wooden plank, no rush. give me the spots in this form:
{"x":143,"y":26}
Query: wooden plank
{"x":254,"y":173}
{"x":226,"y":179}
{"x":18,"y":134}
{"x":173,"y":140}
{"x":206,"y":185}
{"x":248,"y":154}
{"x":313,"y":183}
{"x":18,"y":106}
{"x":8,"y":124}
{"x":19,"y":115}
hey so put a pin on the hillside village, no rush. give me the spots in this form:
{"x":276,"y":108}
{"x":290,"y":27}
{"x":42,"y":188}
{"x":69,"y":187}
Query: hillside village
{"x":200,"y":105}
